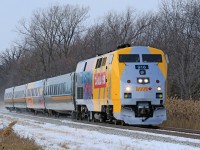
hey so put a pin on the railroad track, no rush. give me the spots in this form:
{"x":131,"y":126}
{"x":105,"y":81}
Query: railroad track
{"x":180,"y":132}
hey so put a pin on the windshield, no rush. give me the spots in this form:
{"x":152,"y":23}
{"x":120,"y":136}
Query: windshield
{"x":152,"y":58}
{"x":129,"y":58}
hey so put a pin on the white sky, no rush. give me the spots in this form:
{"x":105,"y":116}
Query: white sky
{"x":11,"y":11}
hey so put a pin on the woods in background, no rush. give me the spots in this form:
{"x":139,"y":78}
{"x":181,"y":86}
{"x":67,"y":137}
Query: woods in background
{"x":55,"y":39}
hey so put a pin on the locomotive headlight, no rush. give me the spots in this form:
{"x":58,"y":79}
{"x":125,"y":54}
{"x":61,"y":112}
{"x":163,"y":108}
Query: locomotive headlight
{"x":128,"y":88}
{"x":146,"y":80}
{"x":140,"y":80}
{"x":159,"y":88}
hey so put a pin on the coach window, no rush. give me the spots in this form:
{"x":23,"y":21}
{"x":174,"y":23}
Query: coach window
{"x":48,"y":92}
{"x":54,"y":89}
{"x":28,"y":92}
{"x":22,"y":94}
{"x":64,"y":88}
{"x":61,"y":88}
{"x":57,"y":89}
{"x":33,"y":92}
{"x":38,"y":92}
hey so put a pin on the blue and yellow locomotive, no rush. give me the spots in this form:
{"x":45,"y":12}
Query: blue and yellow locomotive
{"x":127,"y":85}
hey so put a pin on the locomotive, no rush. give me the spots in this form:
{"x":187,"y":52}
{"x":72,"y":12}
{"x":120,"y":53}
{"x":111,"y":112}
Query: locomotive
{"x":127,"y":85}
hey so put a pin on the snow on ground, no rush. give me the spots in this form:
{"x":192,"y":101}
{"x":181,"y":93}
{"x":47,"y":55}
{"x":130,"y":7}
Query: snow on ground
{"x":53,"y":137}
{"x":60,"y":137}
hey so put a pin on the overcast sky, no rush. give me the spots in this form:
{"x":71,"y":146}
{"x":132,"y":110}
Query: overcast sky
{"x":11,"y":11}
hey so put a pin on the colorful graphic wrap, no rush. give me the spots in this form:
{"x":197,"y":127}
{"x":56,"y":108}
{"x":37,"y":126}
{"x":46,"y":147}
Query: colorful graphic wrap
{"x":87,"y":85}
{"x":100,"y":80}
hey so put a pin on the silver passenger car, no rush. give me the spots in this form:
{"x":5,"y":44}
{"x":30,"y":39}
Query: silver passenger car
{"x":8,"y":98}
{"x":19,"y":98}
{"x":59,"y":93}
{"x":34,"y":95}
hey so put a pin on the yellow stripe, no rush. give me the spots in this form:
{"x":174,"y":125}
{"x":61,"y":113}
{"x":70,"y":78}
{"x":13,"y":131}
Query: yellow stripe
{"x":19,"y":100}
{"x":8,"y":100}
{"x":61,"y":97}
{"x":117,"y":70}
{"x":163,"y":65}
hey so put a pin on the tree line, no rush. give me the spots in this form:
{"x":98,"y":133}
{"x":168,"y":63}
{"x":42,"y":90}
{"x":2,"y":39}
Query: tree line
{"x":55,"y":39}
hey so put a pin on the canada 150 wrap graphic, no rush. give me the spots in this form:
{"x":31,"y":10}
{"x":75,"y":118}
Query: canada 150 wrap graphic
{"x":100,"y":80}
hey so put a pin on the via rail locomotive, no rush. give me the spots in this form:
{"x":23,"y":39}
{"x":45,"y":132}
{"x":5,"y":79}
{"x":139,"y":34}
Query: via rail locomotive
{"x":127,"y":85}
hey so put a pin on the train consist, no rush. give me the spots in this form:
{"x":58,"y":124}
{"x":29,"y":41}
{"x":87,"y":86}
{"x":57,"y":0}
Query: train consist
{"x":127,"y":86}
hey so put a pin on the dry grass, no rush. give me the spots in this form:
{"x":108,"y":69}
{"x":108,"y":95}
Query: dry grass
{"x":10,"y":141}
{"x":183,"y":113}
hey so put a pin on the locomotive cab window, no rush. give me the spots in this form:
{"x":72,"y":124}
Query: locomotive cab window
{"x":129,"y":58}
{"x":152,"y":58}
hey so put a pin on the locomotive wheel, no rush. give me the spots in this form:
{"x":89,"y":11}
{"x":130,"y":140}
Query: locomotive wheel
{"x":77,"y":116}
{"x":115,"y":122}
{"x":35,"y":112}
{"x":101,"y":120}
{"x":73,"y":115}
{"x":57,"y":115}
{"x":123,"y":123}
{"x":88,"y":117}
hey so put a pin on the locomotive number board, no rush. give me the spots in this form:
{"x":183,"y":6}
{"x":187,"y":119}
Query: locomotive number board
{"x":141,"y":67}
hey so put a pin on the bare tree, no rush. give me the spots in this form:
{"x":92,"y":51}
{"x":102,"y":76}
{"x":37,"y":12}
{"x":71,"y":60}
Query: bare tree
{"x":52,"y":31}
